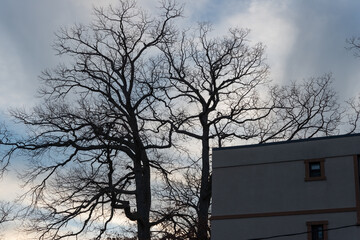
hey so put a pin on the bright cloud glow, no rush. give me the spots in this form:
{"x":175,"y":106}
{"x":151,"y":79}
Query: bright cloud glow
{"x":269,"y":24}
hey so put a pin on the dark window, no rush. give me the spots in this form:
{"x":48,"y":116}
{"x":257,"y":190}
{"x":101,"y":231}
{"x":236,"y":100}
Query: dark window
{"x":314,"y":169}
{"x":317,"y":232}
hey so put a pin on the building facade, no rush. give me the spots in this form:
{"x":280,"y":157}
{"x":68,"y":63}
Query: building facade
{"x":296,"y":190}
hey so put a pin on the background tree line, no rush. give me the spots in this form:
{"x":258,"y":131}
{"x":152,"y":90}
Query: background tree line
{"x":126,"y":126}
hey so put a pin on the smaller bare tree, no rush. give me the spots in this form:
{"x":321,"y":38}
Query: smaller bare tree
{"x":213,"y":94}
{"x":219,"y":93}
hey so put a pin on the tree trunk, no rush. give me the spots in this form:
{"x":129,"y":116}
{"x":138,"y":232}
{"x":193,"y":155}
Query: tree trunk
{"x":143,"y":187}
{"x":143,"y":231}
{"x":205,"y":191}
{"x":143,"y":199}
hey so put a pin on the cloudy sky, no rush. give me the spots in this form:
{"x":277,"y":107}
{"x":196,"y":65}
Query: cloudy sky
{"x":303,"y":38}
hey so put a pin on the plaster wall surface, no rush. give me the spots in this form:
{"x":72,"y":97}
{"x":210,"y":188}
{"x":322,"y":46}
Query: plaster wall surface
{"x":250,"y":182}
{"x":252,"y":228}
{"x":281,"y":187}
{"x":286,"y":151}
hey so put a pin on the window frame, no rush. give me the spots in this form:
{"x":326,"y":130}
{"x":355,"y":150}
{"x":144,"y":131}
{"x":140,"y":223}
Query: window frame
{"x":322,"y":170}
{"x":315,"y":223}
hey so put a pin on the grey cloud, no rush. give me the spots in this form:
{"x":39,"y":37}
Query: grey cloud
{"x":322,"y":27}
{"x":27,"y":31}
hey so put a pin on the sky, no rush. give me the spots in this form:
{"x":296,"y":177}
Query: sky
{"x":303,"y":39}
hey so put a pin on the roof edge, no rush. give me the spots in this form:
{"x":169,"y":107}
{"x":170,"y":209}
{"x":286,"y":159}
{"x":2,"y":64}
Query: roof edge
{"x":285,"y":142}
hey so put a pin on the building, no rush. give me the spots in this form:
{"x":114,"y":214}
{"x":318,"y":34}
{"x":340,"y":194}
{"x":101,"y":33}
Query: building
{"x":296,"y":190}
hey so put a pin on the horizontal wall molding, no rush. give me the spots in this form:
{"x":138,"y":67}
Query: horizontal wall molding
{"x":286,"y":213}
{"x":280,"y":162}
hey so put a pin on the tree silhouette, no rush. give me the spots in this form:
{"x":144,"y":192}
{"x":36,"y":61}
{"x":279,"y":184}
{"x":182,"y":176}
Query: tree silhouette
{"x":92,"y":143}
{"x":134,"y":86}
{"x":219,"y":93}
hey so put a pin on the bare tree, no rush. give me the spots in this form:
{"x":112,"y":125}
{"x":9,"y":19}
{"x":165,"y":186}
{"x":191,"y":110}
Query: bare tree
{"x":214,"y":84}
{"x":92,"y":143}
{"x":219,"y":93}
{"x":302,"y":110}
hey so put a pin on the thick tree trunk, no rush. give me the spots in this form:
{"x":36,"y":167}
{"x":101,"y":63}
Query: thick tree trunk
{"x":143,"y":228}
{"x":143,"y":187}
{"x":205,"y":191}
{"x":143,"y":199}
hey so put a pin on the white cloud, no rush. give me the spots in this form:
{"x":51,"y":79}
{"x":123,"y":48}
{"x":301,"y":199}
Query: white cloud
{"x":303,"y":39}
{"x":10,"y":189}
{"x":270,"y":24}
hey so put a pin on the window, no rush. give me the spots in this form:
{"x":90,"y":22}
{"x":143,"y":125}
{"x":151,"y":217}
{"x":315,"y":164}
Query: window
{"x":317,"y":230}
{"x":314,"y":170}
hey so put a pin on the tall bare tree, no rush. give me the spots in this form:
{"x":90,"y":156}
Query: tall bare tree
{"x":92,"y":143}
{"x":219,"y":93}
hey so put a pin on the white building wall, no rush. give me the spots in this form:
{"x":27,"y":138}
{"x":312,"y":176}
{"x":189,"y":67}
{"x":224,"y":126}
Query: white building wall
{"x":252,"y":228}
{"x":281,"y":187}
{"x":270,"y":179}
